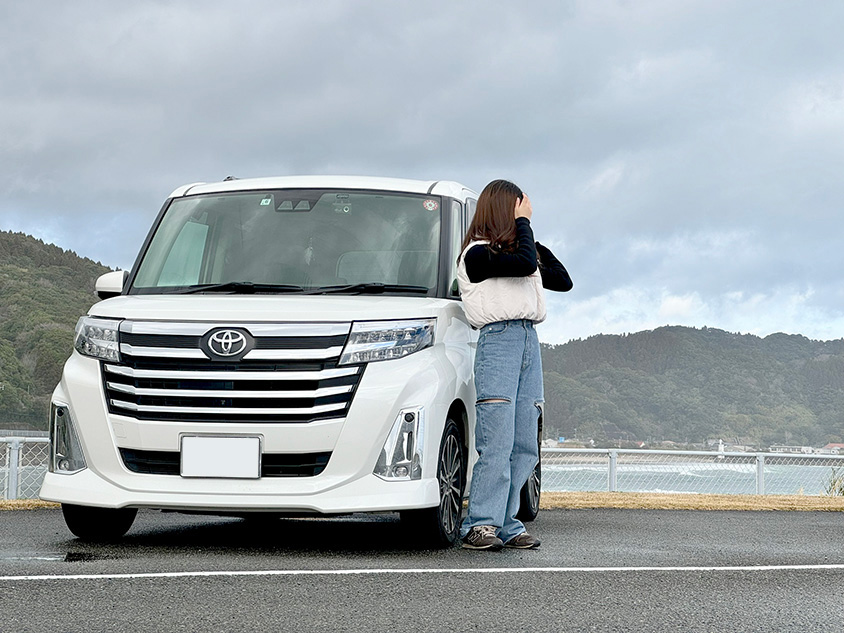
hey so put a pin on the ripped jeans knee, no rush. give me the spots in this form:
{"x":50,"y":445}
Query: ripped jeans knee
{"x":493,"y":401}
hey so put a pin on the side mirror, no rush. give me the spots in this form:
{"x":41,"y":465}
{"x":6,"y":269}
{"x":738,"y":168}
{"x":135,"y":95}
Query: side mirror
{"x":111,"y":284}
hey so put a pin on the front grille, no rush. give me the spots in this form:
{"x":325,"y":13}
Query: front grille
{"x":272,"y":464}
{"x":289,"y":375}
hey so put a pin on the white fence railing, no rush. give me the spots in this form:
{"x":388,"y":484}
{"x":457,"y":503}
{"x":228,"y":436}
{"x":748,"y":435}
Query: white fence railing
{"x":23,"y":463}
{"x":612,"y":470}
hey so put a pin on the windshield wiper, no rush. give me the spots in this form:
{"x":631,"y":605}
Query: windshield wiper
{"x":368,"y":288}
{"x":241,"y":287}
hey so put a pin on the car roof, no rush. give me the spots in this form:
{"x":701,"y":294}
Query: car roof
{"x":433,"y":187}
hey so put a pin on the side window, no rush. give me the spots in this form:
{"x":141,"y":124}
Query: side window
{"x":471,"y":205}
{"x":184,"y":261}
{"x":457,"y":233}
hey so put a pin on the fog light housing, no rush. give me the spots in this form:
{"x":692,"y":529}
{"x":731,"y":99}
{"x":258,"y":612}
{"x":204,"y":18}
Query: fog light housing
{"x":401,"y":456}
{"x":66,"y":455}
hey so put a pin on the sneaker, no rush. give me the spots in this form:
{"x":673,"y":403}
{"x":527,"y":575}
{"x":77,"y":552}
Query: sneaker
{"x":523,"y":541}
{"x":483,"y":537}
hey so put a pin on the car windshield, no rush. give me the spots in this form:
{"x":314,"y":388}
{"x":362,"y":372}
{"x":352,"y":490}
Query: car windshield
{"x":294,"y":241}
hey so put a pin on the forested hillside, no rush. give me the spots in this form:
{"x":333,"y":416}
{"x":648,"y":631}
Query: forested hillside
{"x":689,"y":385}
{"x":43,"y":291}
{"x":673,"y":383}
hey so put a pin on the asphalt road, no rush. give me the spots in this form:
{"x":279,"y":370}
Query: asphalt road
{"x":597,"y":570}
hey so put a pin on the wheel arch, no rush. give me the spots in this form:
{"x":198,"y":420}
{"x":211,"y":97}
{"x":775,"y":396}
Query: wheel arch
{"x":457,"y":412}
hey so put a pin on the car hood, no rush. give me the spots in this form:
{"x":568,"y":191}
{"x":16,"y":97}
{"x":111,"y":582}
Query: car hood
{"x":249,"y":308}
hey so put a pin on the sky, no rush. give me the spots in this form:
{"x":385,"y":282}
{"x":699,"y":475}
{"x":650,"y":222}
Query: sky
{"x":684,"y":158}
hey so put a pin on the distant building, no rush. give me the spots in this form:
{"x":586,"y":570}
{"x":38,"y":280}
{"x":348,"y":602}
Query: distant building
{"x":793,"y":450}
{"x":832,"y":449}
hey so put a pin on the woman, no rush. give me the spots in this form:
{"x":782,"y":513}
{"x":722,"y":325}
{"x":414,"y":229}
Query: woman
{"x":501,"y":274}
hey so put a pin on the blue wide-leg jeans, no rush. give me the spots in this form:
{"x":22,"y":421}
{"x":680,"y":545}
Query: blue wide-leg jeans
{"x":508,"y":382}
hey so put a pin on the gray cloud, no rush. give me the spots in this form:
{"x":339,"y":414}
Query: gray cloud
{"x":683,"y":158}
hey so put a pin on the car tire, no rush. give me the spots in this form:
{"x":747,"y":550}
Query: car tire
{"x":99,"y":525}
{"x":440,"y":526}
{"x":532,"y":490}
{"x":530,"y":494}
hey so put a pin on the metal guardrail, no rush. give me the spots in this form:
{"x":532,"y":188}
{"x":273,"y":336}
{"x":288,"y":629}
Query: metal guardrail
{"x":704,"y":472}
{"x":23,"y":464}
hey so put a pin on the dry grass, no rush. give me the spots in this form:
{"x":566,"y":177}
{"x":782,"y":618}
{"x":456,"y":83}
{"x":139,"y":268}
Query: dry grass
{"x":667,"y":501}
{"x":26,"y":504}
{"x":624,"y":500}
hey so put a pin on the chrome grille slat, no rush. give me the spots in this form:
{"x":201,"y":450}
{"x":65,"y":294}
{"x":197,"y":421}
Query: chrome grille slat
{"x":290,"y":374}
{"x":257,"y":329}
{"x":322,"y":408}
{"x":321,"y":374}
{"x":255,"y":354}
{"x":290,"y":354}
{"x":160,"y":352}
{"x":229,"y":393}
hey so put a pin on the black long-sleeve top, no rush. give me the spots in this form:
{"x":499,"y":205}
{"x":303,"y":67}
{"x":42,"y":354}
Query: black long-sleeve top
{"x":482,"y":262}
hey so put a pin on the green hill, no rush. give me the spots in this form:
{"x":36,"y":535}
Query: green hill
{"x":43,"y":291}
{"x":688,"y":385}
{"x":673,"y":383}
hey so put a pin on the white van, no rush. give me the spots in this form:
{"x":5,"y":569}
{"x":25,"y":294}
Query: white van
{"x":293,"y":346}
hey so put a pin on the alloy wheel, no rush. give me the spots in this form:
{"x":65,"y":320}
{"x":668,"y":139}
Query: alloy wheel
{"x":451,"y":483}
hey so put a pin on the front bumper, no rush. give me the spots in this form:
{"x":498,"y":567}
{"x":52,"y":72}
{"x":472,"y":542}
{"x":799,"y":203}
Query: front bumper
{"x":426,"y":379}
{"x":367,"y":494}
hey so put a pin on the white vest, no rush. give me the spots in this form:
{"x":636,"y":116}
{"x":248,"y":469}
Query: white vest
{"x":500,"y":298}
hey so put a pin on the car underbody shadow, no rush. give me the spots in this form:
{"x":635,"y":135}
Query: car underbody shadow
{"x":262,"y":534}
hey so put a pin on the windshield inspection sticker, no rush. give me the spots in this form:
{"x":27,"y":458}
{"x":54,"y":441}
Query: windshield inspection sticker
{"x":431,"y":205}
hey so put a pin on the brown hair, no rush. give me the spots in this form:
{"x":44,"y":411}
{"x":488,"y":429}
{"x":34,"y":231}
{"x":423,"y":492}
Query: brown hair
{"x":495,"y":218}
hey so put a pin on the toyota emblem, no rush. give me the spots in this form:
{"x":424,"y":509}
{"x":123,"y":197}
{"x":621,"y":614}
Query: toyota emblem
{"x":227,"y":343}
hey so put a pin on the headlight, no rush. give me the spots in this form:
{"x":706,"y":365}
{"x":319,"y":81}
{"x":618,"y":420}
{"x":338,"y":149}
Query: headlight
{"x":401,"y":457}
{"x":97,"y":338}
{"x":383,"y":340}
{"x":65,"y":451}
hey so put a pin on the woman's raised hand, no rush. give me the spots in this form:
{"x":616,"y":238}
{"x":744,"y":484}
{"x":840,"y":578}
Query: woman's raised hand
{"x":523,"y":208}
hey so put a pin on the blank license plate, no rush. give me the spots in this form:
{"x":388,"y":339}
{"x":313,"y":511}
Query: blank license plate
{"x":221,"y":457}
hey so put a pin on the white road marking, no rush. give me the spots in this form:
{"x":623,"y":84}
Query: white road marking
{"x":387,"y":571}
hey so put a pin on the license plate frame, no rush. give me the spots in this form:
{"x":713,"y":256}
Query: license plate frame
{"x":220,"y":456}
